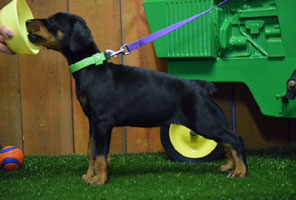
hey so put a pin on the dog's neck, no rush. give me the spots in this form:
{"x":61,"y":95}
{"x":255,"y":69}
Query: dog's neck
{"x":73,"y":57}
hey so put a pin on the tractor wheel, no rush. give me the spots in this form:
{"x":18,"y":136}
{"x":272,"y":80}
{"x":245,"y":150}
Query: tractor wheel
{"x":184,"y":145}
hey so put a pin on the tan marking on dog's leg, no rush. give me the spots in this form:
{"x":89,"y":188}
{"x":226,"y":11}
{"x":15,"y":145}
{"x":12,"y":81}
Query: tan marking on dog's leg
{"x":90,"y":172}
{"x":101,"y":171}
{"x":108,"y":161}
{"x":240,"y":167}
{"x":229,"y":165}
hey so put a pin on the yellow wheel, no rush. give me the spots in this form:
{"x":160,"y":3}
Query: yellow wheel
{"x":190,"y":144}
{"x":183,"y":145}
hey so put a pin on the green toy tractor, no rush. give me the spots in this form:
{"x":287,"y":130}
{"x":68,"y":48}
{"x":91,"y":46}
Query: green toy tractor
{"x":247,"y":41}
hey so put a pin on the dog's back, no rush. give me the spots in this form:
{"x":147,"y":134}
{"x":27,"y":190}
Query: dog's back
{"x":147,"y":98}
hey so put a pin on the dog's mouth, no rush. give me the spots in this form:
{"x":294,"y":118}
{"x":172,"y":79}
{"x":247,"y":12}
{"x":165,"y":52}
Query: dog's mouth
{"x":39,"y":34}
{"x":36,"y":39}
{"x":33,"y":27}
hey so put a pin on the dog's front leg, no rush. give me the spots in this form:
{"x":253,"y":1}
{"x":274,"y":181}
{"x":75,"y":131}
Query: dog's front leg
{"x":99,"y":162}
{"x":90,"y":172}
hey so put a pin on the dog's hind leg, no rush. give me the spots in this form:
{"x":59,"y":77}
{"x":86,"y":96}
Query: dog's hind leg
{"x":235,"y":153}
{"x":229,"y":165}
{"x":209,"y":126}
{"x":98,"y":152}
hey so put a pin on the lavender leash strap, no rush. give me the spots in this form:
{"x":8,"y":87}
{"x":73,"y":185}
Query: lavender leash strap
{"x":154,"y":36}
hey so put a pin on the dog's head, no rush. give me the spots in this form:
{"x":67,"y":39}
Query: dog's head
{"x":61,"y":32}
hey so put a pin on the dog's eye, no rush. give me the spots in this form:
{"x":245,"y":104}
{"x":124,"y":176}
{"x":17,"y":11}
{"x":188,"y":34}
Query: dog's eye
{"x":50,"y":24}
{"x":50,"y":21}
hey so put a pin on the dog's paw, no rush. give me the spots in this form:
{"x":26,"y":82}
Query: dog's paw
{"x":87,"y":177}
{"x":237,"y":174}
{"x":97,"y":180}
{"x":224,"y":168}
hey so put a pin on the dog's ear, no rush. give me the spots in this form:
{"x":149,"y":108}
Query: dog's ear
{"x":80,"y":37}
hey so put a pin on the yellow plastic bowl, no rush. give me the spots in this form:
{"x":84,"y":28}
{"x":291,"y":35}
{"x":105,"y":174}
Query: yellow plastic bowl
{"x":14,"y":16}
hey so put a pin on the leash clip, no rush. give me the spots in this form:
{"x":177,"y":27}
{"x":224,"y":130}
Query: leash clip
{"x":123,"y":50}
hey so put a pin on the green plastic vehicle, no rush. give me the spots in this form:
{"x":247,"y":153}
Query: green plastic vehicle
{"x":247,"y":41}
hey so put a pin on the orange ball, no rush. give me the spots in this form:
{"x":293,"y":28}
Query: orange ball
{"x":11,"y":158}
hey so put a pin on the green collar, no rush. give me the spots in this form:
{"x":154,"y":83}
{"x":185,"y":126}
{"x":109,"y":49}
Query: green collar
{"x":96,"y":59}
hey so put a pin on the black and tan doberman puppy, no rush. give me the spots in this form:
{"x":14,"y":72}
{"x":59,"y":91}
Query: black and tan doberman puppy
{"x":116,"y":95}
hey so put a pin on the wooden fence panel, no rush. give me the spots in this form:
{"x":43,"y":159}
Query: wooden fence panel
{"x":135,"y":26}
{"x":46,"y":94}
{"x":10,"y":101}
{"x":223,"y":97}
{"x":257,"y":130}
{"x":103,"y":18}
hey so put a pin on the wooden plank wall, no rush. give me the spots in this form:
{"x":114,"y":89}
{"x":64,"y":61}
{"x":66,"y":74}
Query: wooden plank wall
{"x":38,"y":107}
{"x":10,"y":99}
{"x":106,"y":29}
{"x":258,"y":130}
{"x":46,"y":95}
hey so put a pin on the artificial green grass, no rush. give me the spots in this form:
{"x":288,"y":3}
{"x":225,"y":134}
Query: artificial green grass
{"x":272,"y":175}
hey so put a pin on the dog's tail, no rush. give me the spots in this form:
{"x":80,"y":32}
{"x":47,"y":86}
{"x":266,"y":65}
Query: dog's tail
{"x":209,"y":86}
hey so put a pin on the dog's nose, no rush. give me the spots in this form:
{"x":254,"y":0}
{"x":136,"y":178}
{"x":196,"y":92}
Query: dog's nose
{"x":33,"y":25}
{"x":30,"y":21}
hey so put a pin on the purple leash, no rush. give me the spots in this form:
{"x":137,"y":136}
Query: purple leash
{"x":154,"y":36}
